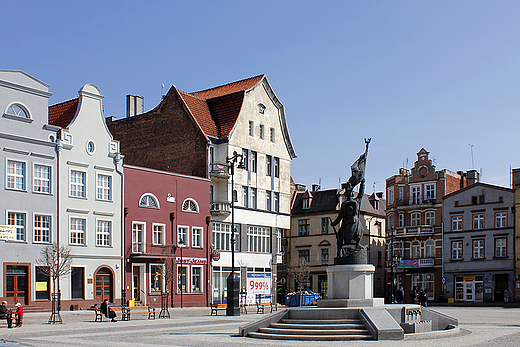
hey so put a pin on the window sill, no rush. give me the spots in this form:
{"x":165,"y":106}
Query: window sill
{"x":484,"y":258}
{"x":24,"y":120}
{"x":17,"y":190}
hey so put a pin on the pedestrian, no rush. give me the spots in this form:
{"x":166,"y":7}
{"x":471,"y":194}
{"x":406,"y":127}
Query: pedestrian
{"x":423,"y":298}
{"x":413,"y":295}
{"x":399,"y":295}
{"x":6,"y":313}
{"x":107,"y":311}
{"x":507,"y":295}
{"x":19,"y":314}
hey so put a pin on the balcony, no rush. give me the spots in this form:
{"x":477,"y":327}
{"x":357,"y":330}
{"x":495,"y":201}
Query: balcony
{"x":219,"y":170}
{"x":424,"y":201}
{"x":414,"y":231}
{"x":220,"y":208}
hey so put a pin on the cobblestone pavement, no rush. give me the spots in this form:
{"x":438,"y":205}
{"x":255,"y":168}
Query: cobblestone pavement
{"x":479,"y":326}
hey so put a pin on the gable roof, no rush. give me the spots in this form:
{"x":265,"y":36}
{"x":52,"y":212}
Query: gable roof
{"x":63,"y":113}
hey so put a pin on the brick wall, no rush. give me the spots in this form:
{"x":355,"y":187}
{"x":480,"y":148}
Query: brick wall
{"x":165,"y":138}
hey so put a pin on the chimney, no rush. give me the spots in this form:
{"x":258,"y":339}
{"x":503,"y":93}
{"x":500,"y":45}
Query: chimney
{"x":134,"y":105}
{"x":404,"y":172}
{"x":315,"y":187}
{"x":300,"y":187}
{"x":516,"y":178}
{"x":472,"y":177}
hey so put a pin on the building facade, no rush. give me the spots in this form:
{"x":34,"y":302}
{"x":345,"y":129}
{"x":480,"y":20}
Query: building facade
{"x":478,"y":243}
{"x":195,"y":134}
{"x":90,"y":196}
{"x":161,"y":209}
{"x":28,"y":209}
{"x":414,"y":226}
{"x":314,"y":239}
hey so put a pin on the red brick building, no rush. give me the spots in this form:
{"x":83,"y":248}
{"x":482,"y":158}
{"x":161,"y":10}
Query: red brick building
{"x":414,"y":226}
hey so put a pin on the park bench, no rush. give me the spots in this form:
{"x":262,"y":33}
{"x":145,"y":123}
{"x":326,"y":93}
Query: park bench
{"x":262,"y":306}
{"x":99,"y":314}
{"x":217,"y":307}
{"x":138,"y":309}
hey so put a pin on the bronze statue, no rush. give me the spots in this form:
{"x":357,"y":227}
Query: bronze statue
{"x":350,"y":231}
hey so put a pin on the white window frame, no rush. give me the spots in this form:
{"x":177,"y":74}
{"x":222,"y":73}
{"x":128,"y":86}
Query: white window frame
{"x":456,"y":223}
{"x":429,"y":218}
{"x":44,"y":183}
{"x":276,"y":202}
{"x":14,"y":180}
{"x":183,"y":232}
{"x":262,"y":131}
{"x":253,"y":198}
{"x":245,"y":196}
{"x":429,"y":190}
{"x":429,"y":248}
{"x":74,"y":193}
{"x":103,"y":234}
{"x":401,"y":193}
{"x":415,"y":219}
{"x":188,"y":278}
{"x":254,"y":160}
{"x":401,"y":220}
{"x":276,"y":167}
{"x":40,"y":229}
{"x":478,"y":221}
{"x":23,"y":108}
{"x":501,"y":219}
{"x":457,"y":249}
{"x":500,"y":247}
{"x":415,"y":249}
{"x":158,"y":234}
{"x":197,"y":235}
{"x":138,"y":246}
{"x":258,"y":239}
{"x":478,"y":246}
{"x":21,"y":230}
{"x":79,"y":234}
{"x":251,"y":129}
{"x":103,"y":191}
{"x":390,"y":195}
{"x":415,"y":194}
{"x":190,"y":205}
{"x":221,"y":236}
{"x":144,"y":201}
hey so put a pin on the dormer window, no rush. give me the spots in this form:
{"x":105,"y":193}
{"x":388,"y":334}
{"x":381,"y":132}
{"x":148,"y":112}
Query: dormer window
{"x":261,"y":108}
{"x":306,"y":200}
{"x":305,"y":203}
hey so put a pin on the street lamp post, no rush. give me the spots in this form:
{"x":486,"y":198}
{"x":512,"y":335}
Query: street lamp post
{"x":233,"y":285}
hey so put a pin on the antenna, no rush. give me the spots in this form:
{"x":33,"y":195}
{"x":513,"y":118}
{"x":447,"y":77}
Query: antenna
{"x":374,"y":187}
{"x":162,"y":88}
{"x":339,"y":181}
{"x":472,"y":163}
{"x":406,"y":167}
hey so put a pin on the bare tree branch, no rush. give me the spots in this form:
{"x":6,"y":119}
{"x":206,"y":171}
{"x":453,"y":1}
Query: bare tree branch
{"x":55,"y":261}
{"x":299,"y":269}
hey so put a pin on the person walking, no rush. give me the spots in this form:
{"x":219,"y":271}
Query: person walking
{"x":399,"y":295}
{"x":423,"y":298}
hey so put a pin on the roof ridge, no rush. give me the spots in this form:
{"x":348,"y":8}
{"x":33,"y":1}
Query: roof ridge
{"x":63,"y":102}
{"x":226,"y":84}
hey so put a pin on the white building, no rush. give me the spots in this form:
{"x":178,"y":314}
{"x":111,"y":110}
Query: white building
{"x":90,"y":199}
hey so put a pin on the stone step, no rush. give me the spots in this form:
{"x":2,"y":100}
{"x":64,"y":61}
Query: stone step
{"x":314,"y":331}
{"x":310,"y":337}
{"x":322,"y":321}
{"x":315,"y":326}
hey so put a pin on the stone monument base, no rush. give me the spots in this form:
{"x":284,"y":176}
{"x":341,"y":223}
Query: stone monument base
{"x":350,"y":286}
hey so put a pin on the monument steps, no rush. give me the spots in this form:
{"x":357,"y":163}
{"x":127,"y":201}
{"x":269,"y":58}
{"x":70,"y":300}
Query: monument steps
{"x":315,"y":329}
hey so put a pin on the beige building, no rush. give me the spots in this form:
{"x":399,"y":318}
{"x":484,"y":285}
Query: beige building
{"x":313,"y":238}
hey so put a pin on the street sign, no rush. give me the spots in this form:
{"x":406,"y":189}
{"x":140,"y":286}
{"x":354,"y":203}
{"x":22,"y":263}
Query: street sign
{"x":443,"y":280}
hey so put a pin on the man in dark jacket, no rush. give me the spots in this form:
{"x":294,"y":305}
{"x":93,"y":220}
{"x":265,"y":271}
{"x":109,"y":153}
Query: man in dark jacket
{"x":399,"y":295}
{"x":6,"y":313}
{"x":423,"y":298}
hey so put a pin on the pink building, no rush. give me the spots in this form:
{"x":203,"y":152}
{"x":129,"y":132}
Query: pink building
{"x":166,"y":241}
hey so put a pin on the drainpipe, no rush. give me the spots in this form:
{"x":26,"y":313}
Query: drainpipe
{"x":59,"y":149}
{"x":208,"y":265}
{"x":119,"y":169}
{"x":172,"y":217}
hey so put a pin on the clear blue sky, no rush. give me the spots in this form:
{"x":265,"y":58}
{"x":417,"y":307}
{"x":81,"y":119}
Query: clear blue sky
{"x":409,"y":74}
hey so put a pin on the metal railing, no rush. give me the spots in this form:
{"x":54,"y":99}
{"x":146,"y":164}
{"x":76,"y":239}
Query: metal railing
{"x":220,"y":207}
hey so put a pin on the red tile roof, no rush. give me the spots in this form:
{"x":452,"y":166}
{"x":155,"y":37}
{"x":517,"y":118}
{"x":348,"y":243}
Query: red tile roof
{"x":200,"y":111}
{"x":229,"y":88}
{"x":63,"y":113}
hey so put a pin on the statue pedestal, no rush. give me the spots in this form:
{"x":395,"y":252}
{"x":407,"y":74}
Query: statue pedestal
{"x":351,"y":286}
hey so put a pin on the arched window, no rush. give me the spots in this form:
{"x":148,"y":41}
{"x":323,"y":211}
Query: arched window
{"x":190,"y":205}
{"x":415,"y":249}
{"x":416,"y":219}
{"x":429,"y":249}
{"x":17,"y":111}
{"x":149,"y":200}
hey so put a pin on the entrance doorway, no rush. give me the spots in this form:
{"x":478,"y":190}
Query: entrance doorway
{"x":501,"y":284}
{"x":16,"y":285}
{"x":137,"y":283}
{"x":103,"y":285}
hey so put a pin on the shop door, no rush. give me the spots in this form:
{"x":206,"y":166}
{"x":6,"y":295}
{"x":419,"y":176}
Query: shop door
{"x":501,"y":282}
{"x":16,"y":284}
{"x":137,"y":283}
{"x":469,"y":291}
{"x":103,"y":285}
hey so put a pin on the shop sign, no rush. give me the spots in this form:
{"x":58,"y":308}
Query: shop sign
{"x":215,"y":255}
{"x":469,"y":278}
{"x":259,"y":283}
{"x":7,"y":232}
{"x":408,"y":263}
{"x":192,"y":261}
